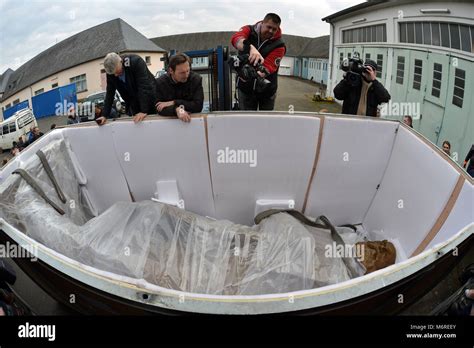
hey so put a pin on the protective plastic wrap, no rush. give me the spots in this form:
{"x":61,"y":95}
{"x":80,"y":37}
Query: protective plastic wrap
{"x":167,"y":246}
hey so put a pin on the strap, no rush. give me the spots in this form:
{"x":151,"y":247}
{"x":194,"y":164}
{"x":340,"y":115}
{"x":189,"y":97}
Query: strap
{"x":353,"y":227}
{"x":49,"y":172}
{"x":326,"y":225}
{"x":295,"y":213}
{"x":37,"y":188}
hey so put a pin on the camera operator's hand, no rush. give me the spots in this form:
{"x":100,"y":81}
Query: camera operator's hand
{"x":255,"y":57}
{"x":182,"y":114}
{"x":369,"y":74}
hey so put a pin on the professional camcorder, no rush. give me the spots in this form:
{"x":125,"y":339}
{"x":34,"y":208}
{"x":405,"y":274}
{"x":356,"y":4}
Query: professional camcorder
{"x":248,"y":72}
{"x":353,"y":67}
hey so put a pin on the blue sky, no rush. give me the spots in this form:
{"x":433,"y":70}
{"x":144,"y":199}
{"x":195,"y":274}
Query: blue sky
{"x":28,"y":27}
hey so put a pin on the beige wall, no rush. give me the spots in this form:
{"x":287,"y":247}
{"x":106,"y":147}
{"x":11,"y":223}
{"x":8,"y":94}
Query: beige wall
{"x":93,"y":76}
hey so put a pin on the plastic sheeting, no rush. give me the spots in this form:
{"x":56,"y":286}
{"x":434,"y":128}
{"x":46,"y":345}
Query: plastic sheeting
{"x":170,"y":247}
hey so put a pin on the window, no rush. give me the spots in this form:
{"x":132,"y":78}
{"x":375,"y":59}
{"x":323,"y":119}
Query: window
{"x":341,"y":58}
{"x":437,"y":74}
{"x":148,"y":60}
{"x":450,"y":35}
{"x":367,"y":56}
{"x":426,"y":33}
{"x":459,"y":83}
{"x":402,"y":29}
{"x":418,"y":33}
{"x":411,"y":32}
{"x":305,"y":63}
{"x":373,"y":33}
{"x":472,"y":38}
{"x":39,"y":91}
{"x":16,"y":101}
{"x":454,"y":35}
{"x":435,"y":34}
{"x":81,"y":83}
{"x":12,"y":127}
{"x":417,"y":74}
{"x":379,"y":65}
{"x":400,"y":69}
{"x":445,"y":35}
{"x":7,"y":106}
{"x":465,"y":38}
{"x":5,"y":129}
{"x":54,"y":85}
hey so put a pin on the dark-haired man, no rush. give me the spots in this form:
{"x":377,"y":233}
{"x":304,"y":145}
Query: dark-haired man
{"x":179,"y":92}
{"x":262,"y":41}
{"x":364,"y":99}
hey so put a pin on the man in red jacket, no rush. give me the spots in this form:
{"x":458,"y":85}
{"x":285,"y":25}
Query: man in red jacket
{"x":262,"y":41}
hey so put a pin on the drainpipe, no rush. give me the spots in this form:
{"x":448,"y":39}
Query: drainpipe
{"x":30,"y":103}
{"x":331,"y":65}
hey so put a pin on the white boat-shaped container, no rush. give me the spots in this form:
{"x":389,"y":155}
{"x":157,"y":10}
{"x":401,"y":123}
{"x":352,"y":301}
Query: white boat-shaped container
{"x":379,"y":175}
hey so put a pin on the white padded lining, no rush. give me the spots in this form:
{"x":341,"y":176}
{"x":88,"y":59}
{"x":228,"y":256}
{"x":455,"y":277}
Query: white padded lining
{"x":343,"y":190}
{"x":168,"y":150}
{"x":423,"y":180}
{"x":94,"y":150}
{"x":461,"y":215}
{"x":286,"y":149}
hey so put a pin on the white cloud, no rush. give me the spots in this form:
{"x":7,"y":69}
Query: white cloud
{"x":28,"y":28}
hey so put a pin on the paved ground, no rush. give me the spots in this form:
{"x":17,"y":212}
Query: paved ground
{"x":299,"y":93}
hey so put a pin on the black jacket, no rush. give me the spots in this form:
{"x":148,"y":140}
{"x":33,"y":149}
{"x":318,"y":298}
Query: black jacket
{"x":138,"y":91}
{"x":189,"y":94}
{"x":376,"y":95}
{"x":470,"y":158}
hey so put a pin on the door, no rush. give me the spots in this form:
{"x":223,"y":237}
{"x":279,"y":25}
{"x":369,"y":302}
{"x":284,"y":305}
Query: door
{"x":458,"y":122}
{"x":305,"y":72}
{"x":7,"y":136}
{"x":417,"y":79}
{"x":399,"y":81}
{"x":437,"y":74}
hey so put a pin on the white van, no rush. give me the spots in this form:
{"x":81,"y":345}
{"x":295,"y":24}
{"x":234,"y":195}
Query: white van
{"x":15,"y":126}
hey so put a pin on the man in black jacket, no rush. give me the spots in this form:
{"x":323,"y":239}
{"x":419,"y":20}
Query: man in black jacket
{"x":179,"y":92}
{"x":129,"y":75}
{"x":363,"y":99}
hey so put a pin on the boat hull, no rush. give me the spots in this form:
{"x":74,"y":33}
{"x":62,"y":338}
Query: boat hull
{"x":385,"y":301}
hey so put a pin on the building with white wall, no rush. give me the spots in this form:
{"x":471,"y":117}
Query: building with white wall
{"x":425,"y":53}
{"x":78,"y":59}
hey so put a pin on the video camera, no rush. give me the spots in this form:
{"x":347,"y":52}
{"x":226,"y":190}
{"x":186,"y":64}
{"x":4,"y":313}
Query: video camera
{"x":248,"y":72}
{"x":354,"y":67}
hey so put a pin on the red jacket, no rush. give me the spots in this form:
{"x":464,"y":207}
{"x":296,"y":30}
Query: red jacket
{"x":273,"y":59}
